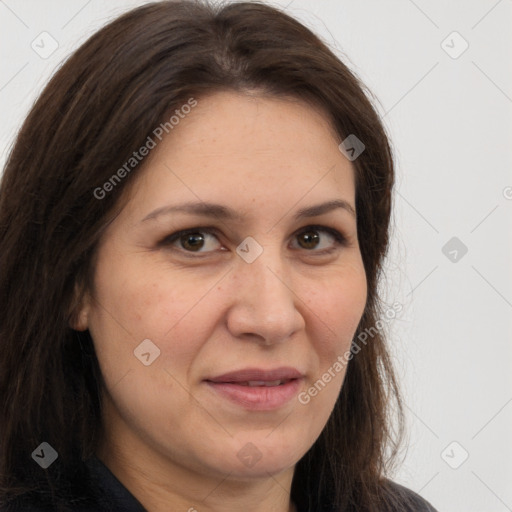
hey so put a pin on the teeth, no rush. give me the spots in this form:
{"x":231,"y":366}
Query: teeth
{"x":253,"y":383}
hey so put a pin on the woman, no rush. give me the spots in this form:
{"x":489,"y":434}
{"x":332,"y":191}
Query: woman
{"x":193,"y":221}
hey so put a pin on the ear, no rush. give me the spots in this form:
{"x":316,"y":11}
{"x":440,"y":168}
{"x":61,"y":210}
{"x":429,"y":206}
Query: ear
{"x":80,"y":321}
{"x":79,"y":315}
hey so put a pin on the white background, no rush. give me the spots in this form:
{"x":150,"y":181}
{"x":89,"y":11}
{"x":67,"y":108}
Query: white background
{"x":451,"y":126}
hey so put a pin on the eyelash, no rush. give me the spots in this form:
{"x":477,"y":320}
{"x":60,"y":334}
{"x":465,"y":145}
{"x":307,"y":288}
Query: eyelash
{"x":339,"y":238}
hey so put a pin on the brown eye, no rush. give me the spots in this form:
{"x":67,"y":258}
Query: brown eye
{"x":192,"y":240}
{"x":310,"y":239}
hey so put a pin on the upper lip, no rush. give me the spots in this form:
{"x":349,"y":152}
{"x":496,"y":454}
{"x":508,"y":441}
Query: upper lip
{"x":258,"y":374}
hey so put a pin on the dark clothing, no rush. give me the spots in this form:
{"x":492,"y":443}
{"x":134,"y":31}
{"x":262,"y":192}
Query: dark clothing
{"x":121,"y":500}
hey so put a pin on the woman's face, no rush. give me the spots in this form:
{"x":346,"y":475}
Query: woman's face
{"x":170,"y":314}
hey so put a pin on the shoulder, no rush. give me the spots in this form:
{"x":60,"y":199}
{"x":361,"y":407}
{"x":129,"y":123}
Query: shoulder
{"x":98,"y":494}
{"x":23,"y":504}
{"x":405,"y":500}
{"x":32,"y":505}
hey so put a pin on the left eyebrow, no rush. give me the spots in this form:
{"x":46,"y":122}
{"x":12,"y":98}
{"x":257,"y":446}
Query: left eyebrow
{"x":223,"y":212}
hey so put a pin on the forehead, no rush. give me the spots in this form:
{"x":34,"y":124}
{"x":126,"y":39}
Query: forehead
{"x":248,"y":152}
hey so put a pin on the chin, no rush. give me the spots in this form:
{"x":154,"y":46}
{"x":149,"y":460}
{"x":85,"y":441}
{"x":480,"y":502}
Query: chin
{"x":258,"y":455}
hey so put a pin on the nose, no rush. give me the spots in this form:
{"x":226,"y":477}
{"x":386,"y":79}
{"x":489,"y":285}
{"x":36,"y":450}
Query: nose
{"x":264,"y":302}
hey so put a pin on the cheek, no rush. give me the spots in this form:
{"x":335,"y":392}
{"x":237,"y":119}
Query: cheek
{"x":338,"y":305}
{"x":336,"y":310}
{"x":135,"y":302}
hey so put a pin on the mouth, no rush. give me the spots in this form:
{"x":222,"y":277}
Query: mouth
{"x":259,"y":376}
{"x":259,"y":383}
{"x":257,"y":390}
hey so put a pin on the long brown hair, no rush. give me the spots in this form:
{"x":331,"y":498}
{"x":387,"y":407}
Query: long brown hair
{"x":98,"y":108}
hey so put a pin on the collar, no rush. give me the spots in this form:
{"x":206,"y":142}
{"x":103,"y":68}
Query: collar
{"x":120,"y":498}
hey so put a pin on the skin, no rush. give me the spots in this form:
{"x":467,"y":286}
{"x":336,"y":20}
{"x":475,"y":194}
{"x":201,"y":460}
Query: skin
{"x":169,"y":438}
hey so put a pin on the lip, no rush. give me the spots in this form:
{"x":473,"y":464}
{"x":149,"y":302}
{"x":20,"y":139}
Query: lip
{"x":281,"y":373}
{"x":258,"y":398}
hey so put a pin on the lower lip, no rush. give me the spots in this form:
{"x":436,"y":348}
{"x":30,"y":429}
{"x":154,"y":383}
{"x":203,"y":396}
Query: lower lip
{"x":258,"y":398}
